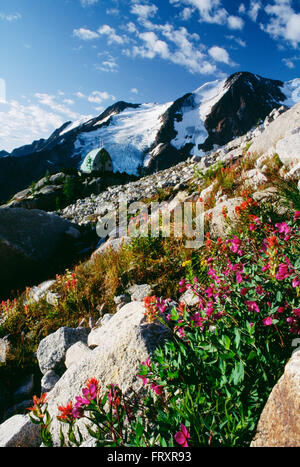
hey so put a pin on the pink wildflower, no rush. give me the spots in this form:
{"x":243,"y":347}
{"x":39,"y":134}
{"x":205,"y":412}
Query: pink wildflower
{"x":244,"y":291}
{"x":252,"y":306}
{"x":268,"y":321}
{"x":157,"y":389}
{"x":283,"y":272}
{"x":182,"y":436}
{"x":296,"y":282}
{"x":143,"y":378}
{"x":297,"y":215}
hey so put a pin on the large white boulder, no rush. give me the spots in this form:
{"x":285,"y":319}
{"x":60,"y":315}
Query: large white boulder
{"x":122,"y":344}
{"x":19,"y":431}
{"x":282,"y":127}
{"x":288,"y":149}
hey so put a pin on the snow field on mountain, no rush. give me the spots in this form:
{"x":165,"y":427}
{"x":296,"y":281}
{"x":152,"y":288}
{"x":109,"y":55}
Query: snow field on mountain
{"x":128,"y":136}
{"x":291,"y":89}
{"x":191,"y":129}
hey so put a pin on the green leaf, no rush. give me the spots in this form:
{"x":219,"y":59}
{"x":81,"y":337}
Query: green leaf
{"x":238,"y":373}
{"x":226,"y":341}
{"x":237,"y":339}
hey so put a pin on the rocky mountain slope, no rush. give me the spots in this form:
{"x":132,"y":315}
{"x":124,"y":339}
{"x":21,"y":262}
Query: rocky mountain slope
{"x":155,"y":136}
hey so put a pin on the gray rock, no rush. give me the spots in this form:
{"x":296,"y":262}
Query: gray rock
{"x":121,"y":299}
{"x":122,"y":344}
{"x":254,"y":178}
{"x":28,"y":239}
{"x":107,"y":317}
{"x":288,"y":149}
{"x":139,"y":292}
{"x":48,"y":381}
{"x":277,"y":130}
{"x":36,"y":293}
{"x":52,"y":349}
{"x":4,"y":349}
{"x":294,"y":173}
{"x":218,"y":225}
{"x":73,"y":233}
{"x":19,"y":431}
{"x":57,"y":178}
{"x":76,"y":353}
{"x":189,"y":298}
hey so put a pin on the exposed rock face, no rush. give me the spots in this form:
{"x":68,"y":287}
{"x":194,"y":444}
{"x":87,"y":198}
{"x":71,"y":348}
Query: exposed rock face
{"x":139,"y":292}
{"x":18,"y":431}
{"x":76,"y":353}
{"x":52,"y":349}
{"x":218,"y":225}
{"x":249,"y":99}
{"x":48,"y":381}
{"x":4,"y":349}
{"x":288,"y":148}
{"x":277,"y":130}
{"x":279,"y":424}
{"x":28,"y":241}
{"x":122,"y":344}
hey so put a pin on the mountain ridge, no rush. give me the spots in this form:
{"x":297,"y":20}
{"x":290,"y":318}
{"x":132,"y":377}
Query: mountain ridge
{"x":155,"y":136}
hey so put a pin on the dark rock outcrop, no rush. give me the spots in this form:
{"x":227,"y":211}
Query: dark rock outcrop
{"x":31,"y":241}
{"x":249,"y":98}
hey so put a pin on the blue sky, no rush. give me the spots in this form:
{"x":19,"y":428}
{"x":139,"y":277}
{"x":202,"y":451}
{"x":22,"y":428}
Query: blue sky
{"x":67,"y":60}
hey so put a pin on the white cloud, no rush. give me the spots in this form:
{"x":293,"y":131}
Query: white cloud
{"x":152,"y":47}
{"x":85,"y":3}
{"x":111,"y":34}
{"x":144,"y":11}
{"x":108,"y":66}
{"x":235,"y":22}
{"x":10,"y":17}
{"x":187,"y":13}
{"x":134,"y":91}
{"x":182,"y":48}
{"x":97,"y":97}
{"x":288,"y":63}
{"x":242,"y":8}
{"x":49,"y":101}
{"x":219,"y":54}
{"x":255,"y":6}
{"x":211,"y":11}
{"x":85,"y":34}
{"x":284,"y":22}
{"x":238,"y":40}
{"x":112,"y":11}
{"x":79,"y":94}
{"x":22,"y":124}
{"x":131,"y":27}
{"x":68,"y":101}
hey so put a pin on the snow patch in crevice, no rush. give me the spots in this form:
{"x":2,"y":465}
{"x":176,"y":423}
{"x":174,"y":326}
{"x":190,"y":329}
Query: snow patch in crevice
{"x":191,"y":129}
